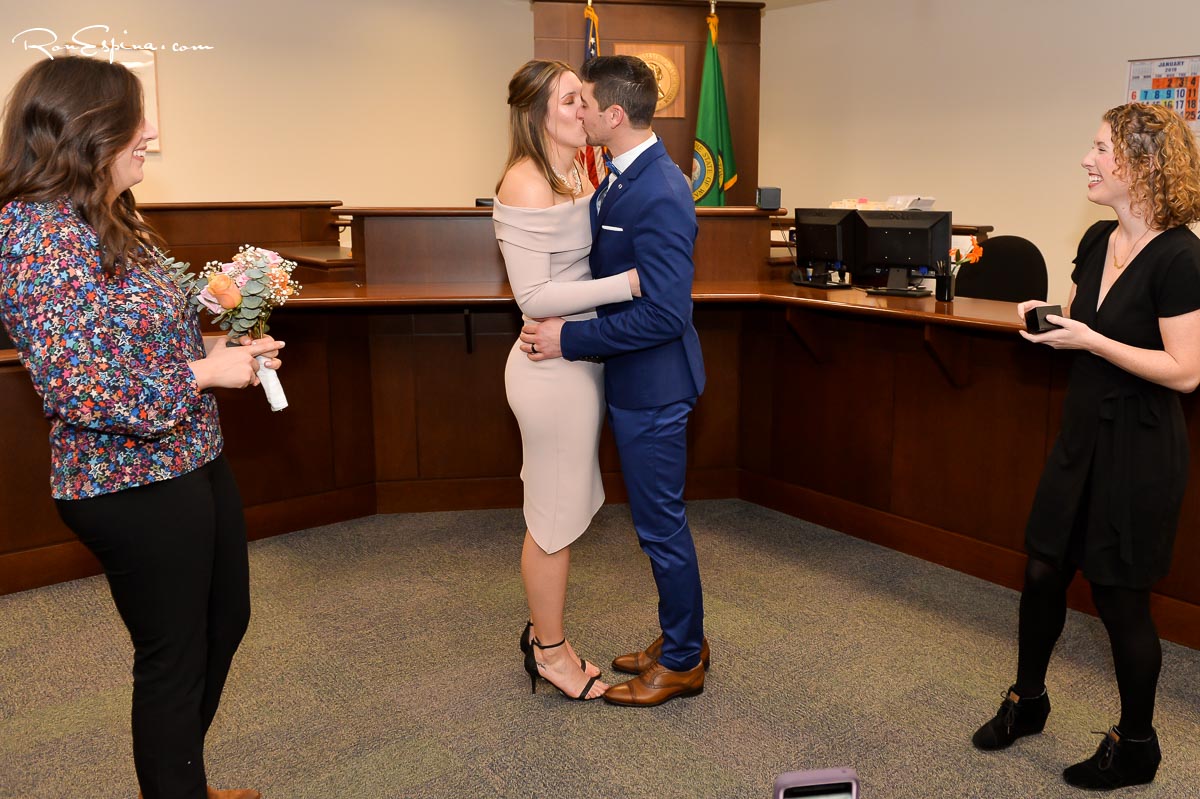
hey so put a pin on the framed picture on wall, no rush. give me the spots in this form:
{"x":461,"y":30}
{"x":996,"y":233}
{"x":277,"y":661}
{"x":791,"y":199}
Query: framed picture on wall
{"x":142,"y":64}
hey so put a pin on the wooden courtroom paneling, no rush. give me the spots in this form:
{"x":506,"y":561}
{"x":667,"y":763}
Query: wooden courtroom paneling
{"x":713,"y":427}
{"x":202,"y":232}
{"x":558,"y":33}
{"x":432,"y":249}
{"x":29,"y":519}
{"x":465,"y":427}
{"x":1181,"y":582}
{"x":728,"y":247}
{"x":968,"y":457}
{"x":922,"y":426}
{"x":393,"y":396}
{"x":831,"y":395}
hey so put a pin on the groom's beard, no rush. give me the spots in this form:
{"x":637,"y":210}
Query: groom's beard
{"x":591,"y":139}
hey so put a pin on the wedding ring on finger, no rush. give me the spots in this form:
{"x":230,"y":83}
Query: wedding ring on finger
{"x":532,"y":349}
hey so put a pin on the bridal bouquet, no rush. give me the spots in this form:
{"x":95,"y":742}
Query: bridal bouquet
{"x":241,"y":295}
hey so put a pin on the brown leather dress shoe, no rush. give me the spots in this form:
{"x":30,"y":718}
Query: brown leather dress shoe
{"x":656,"y":685}
{"x":213,"y":793}
{"x":637,"y":662}
{"x":236,"y":793}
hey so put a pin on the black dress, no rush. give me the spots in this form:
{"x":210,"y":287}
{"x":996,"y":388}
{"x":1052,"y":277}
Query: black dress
{"x":1110,"y":495}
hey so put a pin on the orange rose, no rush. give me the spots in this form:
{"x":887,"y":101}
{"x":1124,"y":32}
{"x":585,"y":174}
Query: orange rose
{"x":218,"y":282}
{"x":230,"y":298}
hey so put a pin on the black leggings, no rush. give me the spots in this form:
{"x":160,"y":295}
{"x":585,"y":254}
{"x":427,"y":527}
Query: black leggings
{"x":174,"y":553}
{"x":1136,"y":650}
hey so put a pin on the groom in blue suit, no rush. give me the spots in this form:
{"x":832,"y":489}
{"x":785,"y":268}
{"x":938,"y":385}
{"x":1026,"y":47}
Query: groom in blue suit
{"x":643,"y":216}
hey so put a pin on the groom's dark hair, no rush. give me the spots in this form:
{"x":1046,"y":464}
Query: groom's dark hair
{"x":623,"y":80}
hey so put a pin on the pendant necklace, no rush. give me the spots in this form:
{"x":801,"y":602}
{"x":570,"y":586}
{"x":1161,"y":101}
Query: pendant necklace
{"x":1128,"y":255}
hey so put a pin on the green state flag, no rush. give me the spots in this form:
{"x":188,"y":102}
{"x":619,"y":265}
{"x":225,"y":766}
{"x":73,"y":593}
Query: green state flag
{"x":714,"y":169}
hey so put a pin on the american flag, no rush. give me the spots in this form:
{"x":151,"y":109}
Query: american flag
{"x":591,"y":159}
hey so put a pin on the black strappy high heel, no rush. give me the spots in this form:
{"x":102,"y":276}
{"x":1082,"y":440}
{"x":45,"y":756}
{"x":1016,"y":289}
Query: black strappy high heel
{"x":531,"y":668}
{"x":526,"y":647}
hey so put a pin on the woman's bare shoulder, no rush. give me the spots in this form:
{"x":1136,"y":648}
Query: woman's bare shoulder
{"x":524,"y":186}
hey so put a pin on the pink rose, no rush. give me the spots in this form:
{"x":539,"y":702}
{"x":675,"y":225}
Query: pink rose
{"x":209,"y":301}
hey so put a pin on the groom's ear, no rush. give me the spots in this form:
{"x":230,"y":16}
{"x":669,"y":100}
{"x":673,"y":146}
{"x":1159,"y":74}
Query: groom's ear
{"x":615,"y":114}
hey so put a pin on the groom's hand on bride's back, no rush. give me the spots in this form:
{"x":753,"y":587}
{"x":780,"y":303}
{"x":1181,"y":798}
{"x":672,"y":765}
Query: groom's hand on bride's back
{"x":541,"y":340}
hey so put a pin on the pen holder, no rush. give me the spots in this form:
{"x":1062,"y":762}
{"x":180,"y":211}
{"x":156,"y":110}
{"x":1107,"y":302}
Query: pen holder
{"x":943,"y":287}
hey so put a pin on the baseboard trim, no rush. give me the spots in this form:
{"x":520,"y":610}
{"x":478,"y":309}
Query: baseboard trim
{"x":1177,"y":621}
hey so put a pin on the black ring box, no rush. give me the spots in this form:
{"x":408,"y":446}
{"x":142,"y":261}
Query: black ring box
{"x":1035,"y":318}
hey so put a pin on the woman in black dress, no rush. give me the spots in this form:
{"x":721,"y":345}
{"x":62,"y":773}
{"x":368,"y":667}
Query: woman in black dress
{"x":1109,"y":499}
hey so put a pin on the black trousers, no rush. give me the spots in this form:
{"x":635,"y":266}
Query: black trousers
{"x":174,"y":553}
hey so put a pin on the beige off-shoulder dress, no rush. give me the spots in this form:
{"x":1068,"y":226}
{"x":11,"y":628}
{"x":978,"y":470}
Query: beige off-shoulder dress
{"x":559,"y":404}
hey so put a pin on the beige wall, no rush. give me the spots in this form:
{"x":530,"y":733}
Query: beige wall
{"x":988,"y":106}
{"x":373,"y":102}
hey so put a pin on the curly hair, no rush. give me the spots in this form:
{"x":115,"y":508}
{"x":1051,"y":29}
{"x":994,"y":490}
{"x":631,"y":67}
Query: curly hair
{"x":65,"y":123}
{"x":1156,"y":154}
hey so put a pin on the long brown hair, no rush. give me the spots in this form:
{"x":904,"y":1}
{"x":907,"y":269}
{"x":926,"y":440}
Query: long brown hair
{"x":530,"y":92}
{"x":65,"y":123}
{"x":1156,"y":155}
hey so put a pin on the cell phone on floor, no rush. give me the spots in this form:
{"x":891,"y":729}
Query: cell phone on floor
{"x":830,"y":783}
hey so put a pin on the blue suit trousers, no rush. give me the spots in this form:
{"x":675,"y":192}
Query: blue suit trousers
{"x":652,"y":443}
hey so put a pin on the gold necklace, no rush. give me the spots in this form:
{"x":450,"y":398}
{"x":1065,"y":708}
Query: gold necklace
{"x":1128,"y":255}
{"x":576,"y":185}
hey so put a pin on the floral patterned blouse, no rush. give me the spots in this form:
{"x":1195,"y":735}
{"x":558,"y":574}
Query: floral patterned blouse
{"x":108,"y":356}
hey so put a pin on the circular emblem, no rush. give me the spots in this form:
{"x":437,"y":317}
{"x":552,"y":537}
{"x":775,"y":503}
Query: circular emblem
{"x":703,"y":171}
{"x":667,"y":75}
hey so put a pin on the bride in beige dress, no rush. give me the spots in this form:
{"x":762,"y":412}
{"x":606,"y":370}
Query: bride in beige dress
{"x":544,"y":230}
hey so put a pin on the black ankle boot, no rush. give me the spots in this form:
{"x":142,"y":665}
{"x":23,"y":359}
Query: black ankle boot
{"x":1016,"y":717}
{"x":1117,"y":763}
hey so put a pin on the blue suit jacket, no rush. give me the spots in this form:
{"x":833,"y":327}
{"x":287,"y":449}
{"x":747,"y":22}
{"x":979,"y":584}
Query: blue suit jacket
{"x":650,"y":348}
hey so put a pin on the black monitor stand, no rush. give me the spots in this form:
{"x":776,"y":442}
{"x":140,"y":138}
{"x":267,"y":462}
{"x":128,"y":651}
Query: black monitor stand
{"x":897,"y":285}
{"x":817,"y":276}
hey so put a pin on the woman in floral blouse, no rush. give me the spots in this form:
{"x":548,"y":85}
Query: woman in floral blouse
{"x":115,"y":352}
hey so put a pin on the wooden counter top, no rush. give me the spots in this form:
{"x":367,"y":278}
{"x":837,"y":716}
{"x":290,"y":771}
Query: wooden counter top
{"x":963,"y":312}
{"x":458,"y":211}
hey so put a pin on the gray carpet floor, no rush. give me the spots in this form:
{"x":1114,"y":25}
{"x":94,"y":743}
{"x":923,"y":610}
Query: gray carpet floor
{"x":382,"y":661}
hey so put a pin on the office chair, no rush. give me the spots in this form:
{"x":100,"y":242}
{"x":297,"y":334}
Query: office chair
{"x":1011,"y":269}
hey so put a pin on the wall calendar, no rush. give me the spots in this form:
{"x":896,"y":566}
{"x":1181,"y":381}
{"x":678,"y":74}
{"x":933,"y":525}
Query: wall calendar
{"x":1173,"y":82}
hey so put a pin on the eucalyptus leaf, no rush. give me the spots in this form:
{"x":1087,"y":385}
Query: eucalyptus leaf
{"x":252,"y":302}
{"x":253,"y":287}
{"x":254,"y":273}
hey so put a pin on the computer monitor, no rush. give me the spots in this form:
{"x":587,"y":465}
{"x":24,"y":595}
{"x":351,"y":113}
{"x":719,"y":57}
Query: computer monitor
{"x":897,"y":250}
{"x":825,"y":239}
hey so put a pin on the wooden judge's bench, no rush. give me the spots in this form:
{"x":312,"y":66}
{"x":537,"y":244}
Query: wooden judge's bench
{"x":919,"y":425}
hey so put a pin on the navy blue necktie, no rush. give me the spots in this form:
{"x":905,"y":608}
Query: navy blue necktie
{"x":616,"y":173}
